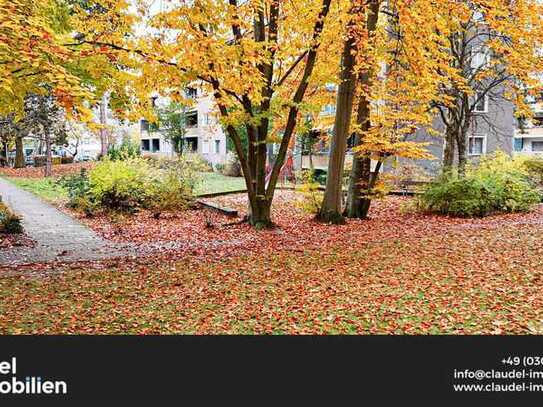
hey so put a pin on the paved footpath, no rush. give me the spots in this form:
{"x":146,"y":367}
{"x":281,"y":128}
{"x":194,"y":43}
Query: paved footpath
{"x":58,"y":237}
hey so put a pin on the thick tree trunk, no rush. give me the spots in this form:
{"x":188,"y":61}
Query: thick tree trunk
{"x":48,"y":169}
{"x":361,"y":171}
{"x":358,"y":188}
{"x":448,"y":155}
{"x":19,"y":153}
{"x":461,"y":142}
{"x":357,"y":205}
{"x":260,"y":213}
{"x":331,"y":210}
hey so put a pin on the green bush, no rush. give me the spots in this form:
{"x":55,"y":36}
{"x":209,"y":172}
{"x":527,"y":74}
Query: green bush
{"x":9,"y":222}
{"x":312,"y":195}
{"x":220,"y":168}
{"x":497,"y":184}
{"x":121,"y":185}
{"x":132,"y":184}
{"x":127,"y":150}
{"x":196,"y":161}
{"x":173,"y":185}
{"x":534,"y":166}
{"x":78,"y":188}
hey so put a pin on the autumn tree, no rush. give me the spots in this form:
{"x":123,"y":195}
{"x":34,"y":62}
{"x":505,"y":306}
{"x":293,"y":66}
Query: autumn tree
{"x":32,"y":54}
{"x":12,"y":133}
{"x":395,"y":79}
{"x":331,"y":208}
{"x":256,"y":57}
{"x":360,"y":178}
{"x":495,"y":58}
{"x":171,"y":121}
{"x":45,"y":121}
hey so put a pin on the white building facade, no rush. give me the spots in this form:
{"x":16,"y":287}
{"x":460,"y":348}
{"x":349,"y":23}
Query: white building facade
{"x":203,"y":132}
{"x":529,"y":136}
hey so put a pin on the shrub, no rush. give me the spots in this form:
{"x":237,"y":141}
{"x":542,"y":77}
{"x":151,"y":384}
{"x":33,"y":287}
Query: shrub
{"x":496,"y":184}
{"x":121,"y":185}
{"x":197,"y":162}
{"x":66,"y":160}
{"x":232,"y":168}
{"x":173,"y":186}
{"x":9,"y":222}
{"x":534,"y":166}
{"x":128,"y":185}
{"x":220,"y":168}
{"x":78,"y":188}
{"x":126,"y":151}
{"x":312,"y":195}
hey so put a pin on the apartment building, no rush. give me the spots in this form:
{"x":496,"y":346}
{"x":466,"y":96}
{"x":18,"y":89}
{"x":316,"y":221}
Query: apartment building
{"x":204,"y":134}
{"x":529,"y":133}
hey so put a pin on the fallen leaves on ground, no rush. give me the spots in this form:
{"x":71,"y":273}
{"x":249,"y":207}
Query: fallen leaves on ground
{"x":396,"y":273}
{"x":9,"y":241}
{"x":37,"y":172}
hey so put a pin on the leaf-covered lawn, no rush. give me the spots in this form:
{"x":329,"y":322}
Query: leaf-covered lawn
{"x":397,"y":273}
{"x":37,"y":172}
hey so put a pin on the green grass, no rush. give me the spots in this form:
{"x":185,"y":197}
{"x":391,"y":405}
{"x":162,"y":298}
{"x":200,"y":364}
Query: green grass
{"x":50,"y":191}
{"x":213,"y":183}
{"x":45,"y":188}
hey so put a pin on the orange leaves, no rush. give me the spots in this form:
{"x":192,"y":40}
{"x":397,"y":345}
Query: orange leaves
{"x":32,"y":53}
{"x":397,"y":273}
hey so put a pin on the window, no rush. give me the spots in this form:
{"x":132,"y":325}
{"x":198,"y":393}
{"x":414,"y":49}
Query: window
{"x":537,"y":146}
{"x":518,"y":145}
{"x":205,"y":147}
{"x":477,"y":145}
{"x":480,"y":58}
{"x":145,"y":145}
{"x":156,"y":145}
{"x":192,"y":119}
{"x":144,"y":125}
{"x":329,"y":109}
{"x":191,"y":93}
{"x":481,"y":103}
{"x":192,"y":143}
{"x":217,"y":146}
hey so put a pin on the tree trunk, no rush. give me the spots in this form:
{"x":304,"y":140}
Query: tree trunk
{"x":19,"y":153}
{"x":448,"y":156}
{"x":365,"y":203}
{"x":359,"y":181}
{"x":260,"y":213}
{"x":358,"y":188}
{"x":48,"y":169}
{"x":361,"y":172}
{"x":461,"y":142}
{"x":103,"y":123}
{"x":331,"y":207}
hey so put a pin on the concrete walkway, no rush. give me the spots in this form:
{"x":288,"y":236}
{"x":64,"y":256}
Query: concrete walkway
{"x":58,"y":237}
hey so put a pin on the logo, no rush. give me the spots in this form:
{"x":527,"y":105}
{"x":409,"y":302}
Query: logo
{"x":28,"y":385}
